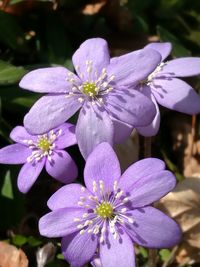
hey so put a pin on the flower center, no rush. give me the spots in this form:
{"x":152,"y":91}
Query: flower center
{"x":44,"y":144}
{"x":90,"y":89}
{"x":104,"y":210}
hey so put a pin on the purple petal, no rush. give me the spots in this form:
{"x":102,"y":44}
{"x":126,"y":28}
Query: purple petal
{"x":163,"y":48}
{"x":29,"y":174}
{"x":94,"y":126}
{"x":133,"y":67}
{"x":49,"y":112}
{"x":48,"y":80}
{"x":117,"y":252}
{"x":67,"y":137}
{"x":19,"y":134}
{"x":14,"y":154}
{"x":181,"y":67}
{"x":177,"y":95}
{"x":153,"y":128}
{"x":140,"y":170}
{"x":121,"y":130}
{"x":61,"y":166}
{"x":79,"y":249}
{"x":152,"y":228}
{"x":67,"y":196}
{"x":131,"y":107}
{"x":150,"y":188}
{"x":102,"y":165}
{"x":60,"y":222}
{"x":94,"y":50}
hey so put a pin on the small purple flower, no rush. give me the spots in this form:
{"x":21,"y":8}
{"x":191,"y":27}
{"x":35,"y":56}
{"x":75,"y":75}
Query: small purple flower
{"x":163,"y":87}
{"x":112,"y":212}
{"x":37,"y":151}
{"x":102,"y":88}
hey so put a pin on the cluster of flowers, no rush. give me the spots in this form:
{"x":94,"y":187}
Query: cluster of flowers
{"x":100,"y":222}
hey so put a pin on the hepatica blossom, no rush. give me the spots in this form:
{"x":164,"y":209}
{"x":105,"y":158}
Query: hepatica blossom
{"x":102,"y":89}
{"x":38,"y":151}
{"x":112,"y":212}
{"x":163,"y":87}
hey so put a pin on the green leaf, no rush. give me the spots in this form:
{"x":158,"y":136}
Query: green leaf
{"x":178,"y":49}
{"x":10,"y":74}
{"x":143,"y":252}
{"x":164,"y":254}
{"x":11,"y":33}
{"x":19,"y":240}
{"x":60,"y":256}
{"x":33,"y":242}
{"x":6,"y":189}
{"x":13,"y":2}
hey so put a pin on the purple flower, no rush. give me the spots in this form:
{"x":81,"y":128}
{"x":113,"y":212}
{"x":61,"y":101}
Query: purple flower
{"x":163,"y":87}
{"x":102,"y":88}
{"x":112,"y":212}
{"x":37,"y":151}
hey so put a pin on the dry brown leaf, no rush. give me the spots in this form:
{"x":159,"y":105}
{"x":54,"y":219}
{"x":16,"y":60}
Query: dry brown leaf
{"x":10,"y":256}
{"x":183,"y":204}
{"x":92,"y":9}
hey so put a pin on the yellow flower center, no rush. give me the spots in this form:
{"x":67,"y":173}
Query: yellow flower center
{"x":44,"y":144}
{"x":104,"y":210}
{"x":90,"y":89}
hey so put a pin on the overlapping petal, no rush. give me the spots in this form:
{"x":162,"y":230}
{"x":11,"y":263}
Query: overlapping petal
{"x":14,"y":154}
{"x":94,"y":126}
{"x":19,"y":134}
{"x":48,"y":80}
{"x":94,"y":50}
{"x":139,"y":170}
{"x":29,"y":174}
{"x":102,"y":165}
{"x":67,"y":136}
{"x":121,"y":130}
{"x":61,"y":166}
{"x":49,"y":112}
{"x":117,"y":252}
{"x":152,"y":228}
{"x":79,"y":249}
{"x":67,"y":196}
{"x":181,"y":67}
{"x":177,"y":95}
{"x":133,"y":67}
{"x":131,"y":107}
{"x":163,"y":48}
{"x":60,"y":222}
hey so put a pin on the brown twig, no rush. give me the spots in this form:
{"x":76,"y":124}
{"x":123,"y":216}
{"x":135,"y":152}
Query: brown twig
{"x":171,"y":258}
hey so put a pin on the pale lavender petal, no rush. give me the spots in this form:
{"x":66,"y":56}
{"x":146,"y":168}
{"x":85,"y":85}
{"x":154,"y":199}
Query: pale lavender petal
{"x":67,"y":136}
{"x":153,"y":128}
{"x":68,"y":196}
{"x":181,"y":67}
{"x":14,"y":154}
{"x":96,"y":262}
{"x":140,"y":170}
{"x":117,"y":252}
{"x":94,"y":50}
{"x":49,"y":112}
{"x":150,"y":188}
{"x":79,"y":249}
{"x":60,"y":222}
{"x":94,"y":126}
{"x":29,"y":174}
{"x":61,"y":166}
{"x":163,"y":48}
{"x":177,"y":95}
{"x":133,"y":67}
{"x":102,"y":165}
{"x":121,"y":130}
{"x":19,"y":134}
{"x":131,"y":107}
{"x":48,"y":80}
{"x":152,"y":228}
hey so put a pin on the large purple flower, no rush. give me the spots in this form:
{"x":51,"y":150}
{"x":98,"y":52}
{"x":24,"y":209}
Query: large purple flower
{"x":113,"y":212}
{"x":102,"y":89}
{"x":37,"y":151}
{"x":163,"y":87}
